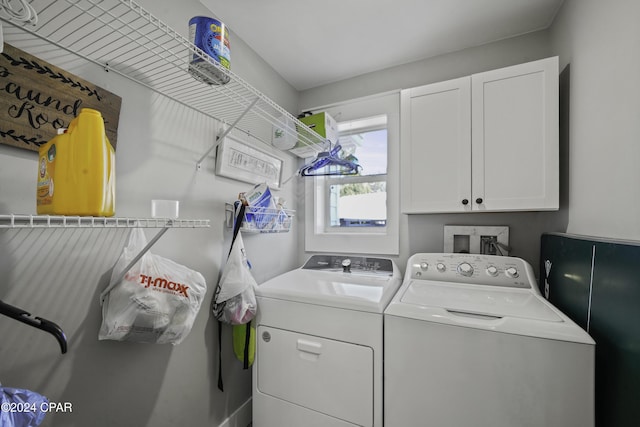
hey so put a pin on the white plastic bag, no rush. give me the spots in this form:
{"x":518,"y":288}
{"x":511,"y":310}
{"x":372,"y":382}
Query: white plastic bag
{"x":235,"y":300}
{"x":156,"y":301}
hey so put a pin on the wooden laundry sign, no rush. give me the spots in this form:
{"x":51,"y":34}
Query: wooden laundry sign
{"x":37,"y":98}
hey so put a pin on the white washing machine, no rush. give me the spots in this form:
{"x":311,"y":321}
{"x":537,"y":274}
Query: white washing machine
{"x":319,"y":343}
{"x":469,"y":341}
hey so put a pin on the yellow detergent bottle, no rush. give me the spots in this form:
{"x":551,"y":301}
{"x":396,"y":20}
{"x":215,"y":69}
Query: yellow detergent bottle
{"x":76,"y":170}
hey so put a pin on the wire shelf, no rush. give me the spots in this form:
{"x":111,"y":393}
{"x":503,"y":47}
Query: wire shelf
{"x":59,"y":221}
{"x":123,"y":37}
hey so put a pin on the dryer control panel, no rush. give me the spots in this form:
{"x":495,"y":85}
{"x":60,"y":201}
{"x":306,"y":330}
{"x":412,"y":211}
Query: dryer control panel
{"x":472,"y":268}
{"x":350,"y":264}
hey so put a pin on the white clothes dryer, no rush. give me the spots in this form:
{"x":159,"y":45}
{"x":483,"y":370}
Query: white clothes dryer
{"x":469,"y":341}
{"x":319,"y":343}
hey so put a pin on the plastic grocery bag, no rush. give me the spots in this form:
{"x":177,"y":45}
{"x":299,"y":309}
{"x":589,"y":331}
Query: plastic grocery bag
{"x":235,"y":300}
{"x":156,"y":301}
{"x":30,"y":407}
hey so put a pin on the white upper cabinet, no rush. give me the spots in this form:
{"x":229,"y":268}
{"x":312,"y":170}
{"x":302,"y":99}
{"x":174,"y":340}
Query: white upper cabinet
{"x":488,"y":142}
{"x":515,"y":137}
{"x":436,"y":147}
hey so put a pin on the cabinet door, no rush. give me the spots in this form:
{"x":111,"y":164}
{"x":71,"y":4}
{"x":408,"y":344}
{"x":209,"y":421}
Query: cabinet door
{"x":436,"y":147}
{"x":515,"y":137}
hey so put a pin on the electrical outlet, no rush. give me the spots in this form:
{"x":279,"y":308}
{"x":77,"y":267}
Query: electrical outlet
{"x":475,"y":239}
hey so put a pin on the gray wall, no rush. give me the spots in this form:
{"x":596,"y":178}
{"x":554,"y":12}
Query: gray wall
{"x":599,"y":41}
{"x":512,"y":51}
{"x":58,"y":274}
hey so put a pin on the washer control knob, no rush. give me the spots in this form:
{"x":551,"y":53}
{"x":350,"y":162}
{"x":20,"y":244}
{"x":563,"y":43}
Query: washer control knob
{"x":441,"y":267}
{"x":465,"y":269}
{"x":424,"y":266}
{"x":512,"y":272}
{"x":492,"y":271}
{"x":346,"y":265}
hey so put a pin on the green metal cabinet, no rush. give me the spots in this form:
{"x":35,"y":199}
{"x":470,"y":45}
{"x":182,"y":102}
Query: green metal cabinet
{"x":596,"y":283}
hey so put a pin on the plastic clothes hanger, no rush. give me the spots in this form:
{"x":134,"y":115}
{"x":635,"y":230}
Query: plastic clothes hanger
{"x":329,"y":163}
{"x":43,"y":324}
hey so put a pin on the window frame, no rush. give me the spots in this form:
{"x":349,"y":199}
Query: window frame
{"x":321,"y":237}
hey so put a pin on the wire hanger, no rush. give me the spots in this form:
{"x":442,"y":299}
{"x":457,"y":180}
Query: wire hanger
{"x":43,"y":324}
{"x":329,"y":163}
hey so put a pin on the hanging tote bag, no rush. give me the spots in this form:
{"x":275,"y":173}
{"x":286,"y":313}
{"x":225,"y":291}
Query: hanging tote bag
{"x":234,"y":301}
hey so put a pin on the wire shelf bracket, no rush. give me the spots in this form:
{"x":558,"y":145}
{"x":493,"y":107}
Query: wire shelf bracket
{"x":221,"y":137}
{"x":133,"y":262}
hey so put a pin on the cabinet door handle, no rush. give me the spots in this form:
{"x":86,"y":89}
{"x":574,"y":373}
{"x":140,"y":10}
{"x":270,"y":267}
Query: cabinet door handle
{"x":479,"y":200}
{"x":465,"y":201}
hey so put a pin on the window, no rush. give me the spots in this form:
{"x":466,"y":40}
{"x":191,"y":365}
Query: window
{"x":360,"y":200}
{"x":359,"y":213}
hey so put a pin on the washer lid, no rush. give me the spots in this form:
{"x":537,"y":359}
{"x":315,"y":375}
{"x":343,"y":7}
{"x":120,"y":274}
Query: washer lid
{"x":364,"y":292}
{"x":489,"y":308}
{"x":490,"y":301}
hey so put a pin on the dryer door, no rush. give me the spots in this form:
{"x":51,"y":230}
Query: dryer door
{"x":324,"y":375}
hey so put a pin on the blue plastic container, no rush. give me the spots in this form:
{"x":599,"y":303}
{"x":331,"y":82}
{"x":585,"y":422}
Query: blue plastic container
{"x":212,"y":37}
